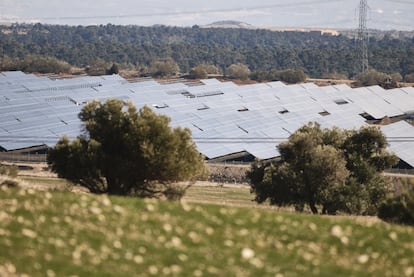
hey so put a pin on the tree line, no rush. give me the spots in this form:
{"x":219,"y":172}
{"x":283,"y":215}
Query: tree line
{"x":125,"y":151}
{"x":138,"y":47}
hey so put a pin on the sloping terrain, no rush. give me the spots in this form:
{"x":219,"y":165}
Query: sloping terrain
{"x":66,"y":234}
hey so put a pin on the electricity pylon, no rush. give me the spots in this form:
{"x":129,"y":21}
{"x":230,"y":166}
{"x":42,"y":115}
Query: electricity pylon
{"x":363,"y":36}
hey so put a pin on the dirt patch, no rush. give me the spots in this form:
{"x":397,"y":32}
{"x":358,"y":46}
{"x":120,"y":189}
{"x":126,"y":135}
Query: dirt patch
{"x":33,"y":169}
{"x":220,"y":175}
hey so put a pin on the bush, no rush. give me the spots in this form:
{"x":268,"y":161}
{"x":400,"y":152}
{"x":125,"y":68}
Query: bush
{"x":198,"y":73}
{"x":40,"y":64}
{"x":371,"y":78}
{"x":238,"y":71}
{"x":409,"y":78}
{"x":164,"y":68}
{"x":9,"y":184}
{"x":97,"y":68}
{"x":113,"y":70}
{"x":9,"y":170}
{"x":289,"y":76}
{"x":398,"y":208}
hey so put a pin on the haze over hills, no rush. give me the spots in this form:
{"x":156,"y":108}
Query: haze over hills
{"x":332,"y":14}
{"x":230,"y":24}
{"x":244,"y":25}
{"x":379,"y":34}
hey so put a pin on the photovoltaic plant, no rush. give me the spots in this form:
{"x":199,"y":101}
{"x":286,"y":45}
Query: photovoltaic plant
{"x":226,"y":119}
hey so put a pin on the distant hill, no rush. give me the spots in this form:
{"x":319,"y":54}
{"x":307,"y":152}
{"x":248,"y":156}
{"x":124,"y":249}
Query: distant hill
{"x":350,"y":33}
{"x":318,"y":52}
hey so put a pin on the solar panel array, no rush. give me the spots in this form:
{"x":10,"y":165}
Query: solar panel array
{"x":401,"y":139}
{"x":224,"y":118}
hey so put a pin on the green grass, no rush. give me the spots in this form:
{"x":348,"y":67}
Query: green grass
{"x":221,"y":195}
{"x":55,"y":183}
{"x":68,"y":234}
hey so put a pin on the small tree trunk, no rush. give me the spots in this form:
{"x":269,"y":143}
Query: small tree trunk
{"x":114,"y":188}
{"x":313,"y":207}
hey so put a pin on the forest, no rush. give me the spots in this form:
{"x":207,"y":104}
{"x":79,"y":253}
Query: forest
{"x":318,"y":55}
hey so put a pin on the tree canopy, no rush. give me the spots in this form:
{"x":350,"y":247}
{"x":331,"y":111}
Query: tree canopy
{"x":125,"y":152}
{"x":315,"y":53}
{"x":164,"y":68}
{"x":334,"y":169}
{"x":238,"y":71}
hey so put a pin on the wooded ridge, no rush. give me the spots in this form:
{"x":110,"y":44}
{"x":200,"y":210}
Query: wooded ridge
{"x":135,"y":46}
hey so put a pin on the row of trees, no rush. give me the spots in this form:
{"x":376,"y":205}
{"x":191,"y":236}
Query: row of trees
{"x":157,"y":69}
{"x":237,"y":71}
{"x":259,"y":50}
{"x":41,"y":64}
{"x":128,"y":152}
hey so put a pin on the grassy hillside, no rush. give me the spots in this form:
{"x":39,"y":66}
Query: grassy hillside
{"x":68,"y":234}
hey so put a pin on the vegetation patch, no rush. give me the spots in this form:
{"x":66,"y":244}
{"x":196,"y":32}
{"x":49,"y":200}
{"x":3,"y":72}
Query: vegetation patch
{"x":333,"y":168}
{"x":66,"y":234}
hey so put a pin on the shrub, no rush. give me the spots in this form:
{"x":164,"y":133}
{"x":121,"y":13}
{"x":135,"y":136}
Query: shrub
{"x":238,"y":71}
{"x":9,"y":183}
{"x":40,"y":64}
{"x":398,"y":208}
{"x":9,"y":170}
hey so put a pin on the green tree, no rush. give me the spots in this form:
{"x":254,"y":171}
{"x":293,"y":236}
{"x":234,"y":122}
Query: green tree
{"x":292,"y":76}
{"x":366,"y":156}
{"x":396,"y":77}
{"x":202,"y":71}
{"x":40,"y":64}
{"x":409,"y":78}
{"x":97,"y":68}
{"x":125,"y":152}
{"x":238,"y":71}
{"x":399,"y":207}
{"x":113,"y":70}
{"x":198,"y":72}
{"x":164,"y":68}
{"x":289,"y":76}
{"x":371,"y":78}
{"x":334,"y":169}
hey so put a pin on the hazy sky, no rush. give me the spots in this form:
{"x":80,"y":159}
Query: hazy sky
{"x":383,"y":14}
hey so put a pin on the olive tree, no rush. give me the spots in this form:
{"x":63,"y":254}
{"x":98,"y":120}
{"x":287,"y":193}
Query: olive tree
{"x":164,"y":68}
{"x":238,"y":71}
{"x":334,"y":169}
{"x":123,"y":151}
{"x":371,"y":78}
{"x":202,"y":71}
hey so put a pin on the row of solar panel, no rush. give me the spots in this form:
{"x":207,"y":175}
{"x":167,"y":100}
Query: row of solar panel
{"x":224,"y":118}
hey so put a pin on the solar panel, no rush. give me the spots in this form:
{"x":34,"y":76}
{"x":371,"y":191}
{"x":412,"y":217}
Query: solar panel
{"x":400,"y":136}
{"x":223,"y":117}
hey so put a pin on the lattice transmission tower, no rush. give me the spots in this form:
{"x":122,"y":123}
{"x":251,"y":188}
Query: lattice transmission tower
{"x":363,"y":36}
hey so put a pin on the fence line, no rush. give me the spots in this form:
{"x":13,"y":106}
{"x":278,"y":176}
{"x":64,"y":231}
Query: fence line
{"x":400,"y":171}
{"x":19,"y":157}
{"x":14,"y":157}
